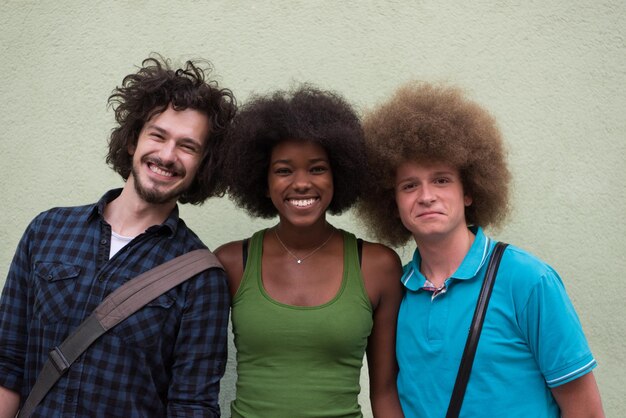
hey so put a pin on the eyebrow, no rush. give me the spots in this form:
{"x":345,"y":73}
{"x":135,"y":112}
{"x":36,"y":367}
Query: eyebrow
{"x":157,"y":127}
{"x":311,"y":161}
{"x":435,"y":174}
{"x":405,"y":179}
{"x":164,"y":131}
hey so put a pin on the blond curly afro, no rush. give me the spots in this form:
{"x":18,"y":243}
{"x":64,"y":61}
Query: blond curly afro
{"x":427,"y":122}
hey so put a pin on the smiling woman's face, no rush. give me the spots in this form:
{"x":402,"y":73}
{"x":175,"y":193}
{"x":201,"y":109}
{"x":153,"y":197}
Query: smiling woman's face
{"x":300,"y":182}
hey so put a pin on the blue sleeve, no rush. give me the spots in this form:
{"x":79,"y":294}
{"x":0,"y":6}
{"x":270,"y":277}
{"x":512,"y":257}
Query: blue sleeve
{"x":201,"y":348}
{"x":14,"y":314}
{"x":554,"y":332}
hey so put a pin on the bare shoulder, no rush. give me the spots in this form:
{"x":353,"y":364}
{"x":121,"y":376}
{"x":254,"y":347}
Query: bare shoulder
{"x":381,"y":269}
{"x":229,"y":251}
{"x":231,"y":257}
{"x":380,"y":259}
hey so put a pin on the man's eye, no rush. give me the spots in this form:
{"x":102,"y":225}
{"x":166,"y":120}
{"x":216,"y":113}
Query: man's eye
{"x":190,"y":148}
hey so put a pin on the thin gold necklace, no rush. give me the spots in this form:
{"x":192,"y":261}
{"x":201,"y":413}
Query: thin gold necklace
{"x":299,"y":260}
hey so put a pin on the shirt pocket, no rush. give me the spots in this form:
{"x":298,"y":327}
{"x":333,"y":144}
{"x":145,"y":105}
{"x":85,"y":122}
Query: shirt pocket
{"x":153,"y":325}
{"x":54,"y":290}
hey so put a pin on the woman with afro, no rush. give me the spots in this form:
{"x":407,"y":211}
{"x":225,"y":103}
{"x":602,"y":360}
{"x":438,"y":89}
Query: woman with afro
{"x":439,"y":175}
{"x":308,"y":299}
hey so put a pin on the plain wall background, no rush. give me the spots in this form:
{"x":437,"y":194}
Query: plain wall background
{"x":552,"y":72}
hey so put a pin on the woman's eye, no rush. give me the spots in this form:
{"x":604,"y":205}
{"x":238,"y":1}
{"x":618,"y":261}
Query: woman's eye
{"x":281,"y":171}
{"x":319,"y":169}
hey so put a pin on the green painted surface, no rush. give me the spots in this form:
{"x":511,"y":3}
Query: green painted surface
{"x":551,"y":72}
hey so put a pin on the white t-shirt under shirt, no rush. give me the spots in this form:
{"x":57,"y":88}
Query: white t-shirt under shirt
{"x":117,"y":243}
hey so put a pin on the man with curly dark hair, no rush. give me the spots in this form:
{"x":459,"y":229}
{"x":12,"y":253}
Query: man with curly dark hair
{"x":438,"y":174}
{"x":167,"y":358}
{"x":308,"y":299}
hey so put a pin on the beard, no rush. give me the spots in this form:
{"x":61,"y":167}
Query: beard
{"x":154,"y":195}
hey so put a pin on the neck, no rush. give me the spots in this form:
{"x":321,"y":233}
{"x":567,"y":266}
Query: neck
{"x":129,"y":215}
{"x":441,"y":258}
{"x":304,"y":237}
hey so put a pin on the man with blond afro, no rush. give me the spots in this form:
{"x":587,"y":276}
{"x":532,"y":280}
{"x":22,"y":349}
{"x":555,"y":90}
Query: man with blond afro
{"x":439,"y":175}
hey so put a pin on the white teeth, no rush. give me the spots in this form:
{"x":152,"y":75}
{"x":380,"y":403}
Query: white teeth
{"x":302,"y":202}
{"x":160,"y":171}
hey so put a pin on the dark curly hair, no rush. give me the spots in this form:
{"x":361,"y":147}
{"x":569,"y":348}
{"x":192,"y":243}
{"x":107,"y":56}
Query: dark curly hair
{"x":425,"y":122}
{"x":149,"y":92}
{"x":303,"y":113}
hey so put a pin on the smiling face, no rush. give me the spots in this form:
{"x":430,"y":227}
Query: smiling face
{"x":300,"y":182}
{"x":167,"y":155}
{"x":430,"y":200}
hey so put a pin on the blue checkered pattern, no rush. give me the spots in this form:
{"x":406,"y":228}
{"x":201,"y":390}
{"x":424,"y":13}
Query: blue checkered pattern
{"x":165,"y":360}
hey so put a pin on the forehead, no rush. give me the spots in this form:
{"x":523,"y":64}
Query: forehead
{"x":425,"y":169}
{"x":187,"y":123}
{"x":293,"y":148}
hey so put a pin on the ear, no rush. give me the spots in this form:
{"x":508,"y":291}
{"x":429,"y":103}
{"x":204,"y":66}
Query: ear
{"x":467,"y":200}
{"x":131,"y":149}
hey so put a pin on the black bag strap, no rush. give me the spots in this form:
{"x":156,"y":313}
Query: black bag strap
{"x":462,"y":377}
{"x":119,"y":305}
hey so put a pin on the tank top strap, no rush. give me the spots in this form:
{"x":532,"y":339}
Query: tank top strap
{"x":354,"y":277}
{"x":350,"y":249}
{"x":252,"y":269}
{"x":255,"y":248}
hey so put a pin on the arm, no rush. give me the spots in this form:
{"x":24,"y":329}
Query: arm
{"x":9,"y":403}
{"x":230,"y":255}
{"x":200,"y":350}
{"x":14,"y":325}
{"x":579,"y":398}
{"x":556,"y":339}
{"x":381,"y":272}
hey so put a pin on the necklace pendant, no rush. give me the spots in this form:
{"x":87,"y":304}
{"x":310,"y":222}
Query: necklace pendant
{"x":300,"y":260}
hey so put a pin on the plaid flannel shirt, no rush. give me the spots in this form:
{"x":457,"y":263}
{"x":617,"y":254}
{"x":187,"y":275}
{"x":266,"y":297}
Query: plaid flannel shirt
{"x":165,"y":360}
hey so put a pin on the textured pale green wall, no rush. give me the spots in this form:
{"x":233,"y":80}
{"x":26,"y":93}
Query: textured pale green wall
{"x":552,"y":72}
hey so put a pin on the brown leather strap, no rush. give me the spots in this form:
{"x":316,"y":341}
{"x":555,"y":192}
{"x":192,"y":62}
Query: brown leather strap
{"x":131,"y":297}
{"x":116,"y":307}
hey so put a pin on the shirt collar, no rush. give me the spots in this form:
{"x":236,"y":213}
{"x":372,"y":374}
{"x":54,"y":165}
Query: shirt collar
{"x":473,"y":261}
{"x":169,"y":226}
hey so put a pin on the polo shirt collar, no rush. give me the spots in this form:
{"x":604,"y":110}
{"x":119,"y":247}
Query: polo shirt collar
{"x":473,"y":261}
{"x":169,"y":226}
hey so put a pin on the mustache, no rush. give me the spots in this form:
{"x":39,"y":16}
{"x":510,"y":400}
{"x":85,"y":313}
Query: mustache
{"x":161,"y":164}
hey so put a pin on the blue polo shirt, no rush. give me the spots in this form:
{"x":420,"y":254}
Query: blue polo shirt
{"x":531,"y":340}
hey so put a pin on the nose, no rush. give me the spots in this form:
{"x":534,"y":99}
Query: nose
{"x":167,"y":153}
{"x":426,"y":196}
{"x":301,"y":181}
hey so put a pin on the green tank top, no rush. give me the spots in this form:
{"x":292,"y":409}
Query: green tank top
{"x":300,"y":361}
